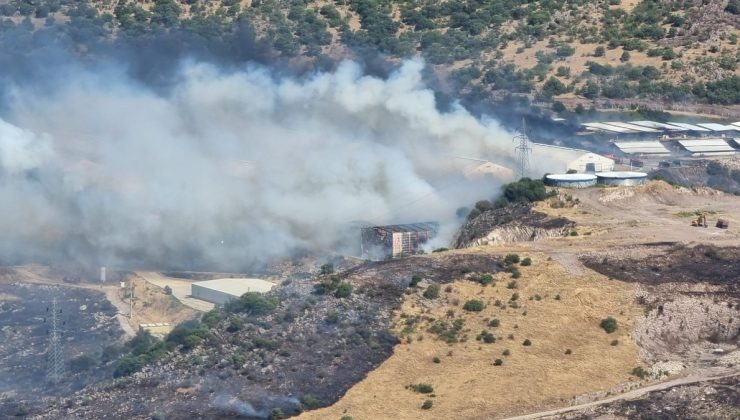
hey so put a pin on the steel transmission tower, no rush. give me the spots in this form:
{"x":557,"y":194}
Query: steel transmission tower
{"x":523,"y":150}
{"x":56,"y":368}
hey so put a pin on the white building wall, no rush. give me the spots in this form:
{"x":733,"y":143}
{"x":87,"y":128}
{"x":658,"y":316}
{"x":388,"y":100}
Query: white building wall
{"x":600,"y":163}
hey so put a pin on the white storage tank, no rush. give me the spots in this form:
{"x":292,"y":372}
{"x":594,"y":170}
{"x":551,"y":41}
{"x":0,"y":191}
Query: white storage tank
{"x":621,"y":178}
{"x":570,"y":180}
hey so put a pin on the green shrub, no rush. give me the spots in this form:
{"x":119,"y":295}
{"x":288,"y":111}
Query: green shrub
{"x":516,"y":274}
{"x":309,"y":401}
{"x":526,"y":262}
{"x":506,"y":352}
{"x":614,"y":342}
{"x":436,"y":360}
{"x":525,"y":190}
{"x":527,"y":342}
{"x":415,"y":280}
{"x":332,"y":317}
{"x":421,"y":388}
{"x":568,"y":351}
{"x":640,"y":372}
{"x":427,"y":405}
{"x":276,"y":414}
{"x":327,"y":268}
{"x":609,"y":324}
{"x":494,"y":323}
{"x":514,"y":296}
{"x":485,"y":279}
{"x":512,"y":285}
{"x":235,"y":324}
{"x":474,"y":305}
{"x":81,"y":363}
{"x":167,"y":290}
{"x":511,"y":259}
{"x":498,"y":362}
{"x":432,"y":291}
{"x":252,"y":303}
{"x":344,"y":290}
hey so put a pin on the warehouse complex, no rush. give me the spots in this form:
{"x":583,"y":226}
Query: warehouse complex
{"x":220,"y":291}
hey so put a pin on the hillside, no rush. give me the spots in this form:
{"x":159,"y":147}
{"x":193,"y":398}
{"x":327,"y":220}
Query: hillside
{"x":630,"y":298}
{"x":572,"y":52}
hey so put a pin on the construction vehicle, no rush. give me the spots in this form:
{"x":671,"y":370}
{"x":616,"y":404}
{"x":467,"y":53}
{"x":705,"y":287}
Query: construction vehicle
{"x":700,"y":221}
{"x":722,"y":224}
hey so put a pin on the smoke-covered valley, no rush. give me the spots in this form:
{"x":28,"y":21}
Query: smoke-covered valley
{"x":229,"y":168}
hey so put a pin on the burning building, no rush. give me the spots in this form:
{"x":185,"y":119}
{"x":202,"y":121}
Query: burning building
{"x":382,"y":242}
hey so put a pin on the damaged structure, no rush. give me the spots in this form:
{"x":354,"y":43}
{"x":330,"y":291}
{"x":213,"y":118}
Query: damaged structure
{"x":383,"y":242}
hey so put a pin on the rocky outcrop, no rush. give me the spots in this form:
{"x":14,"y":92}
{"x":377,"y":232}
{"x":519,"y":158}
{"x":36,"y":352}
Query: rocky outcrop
{"x":513,"y":223}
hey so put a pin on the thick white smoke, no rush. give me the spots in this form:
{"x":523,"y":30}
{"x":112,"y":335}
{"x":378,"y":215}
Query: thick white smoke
{"x":229,"y":168}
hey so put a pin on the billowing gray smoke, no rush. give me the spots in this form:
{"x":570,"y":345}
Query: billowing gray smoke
{"x":228,"y":168}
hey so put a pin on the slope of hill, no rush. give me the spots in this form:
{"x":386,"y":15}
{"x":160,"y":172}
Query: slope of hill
{"x":544,"y":49}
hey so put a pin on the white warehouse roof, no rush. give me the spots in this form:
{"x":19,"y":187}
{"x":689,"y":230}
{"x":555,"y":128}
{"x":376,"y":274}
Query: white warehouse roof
{"x":658,"y":125}
{"x":718,"y":127}
{"x":690,"y":127}
{"x":708,"y":145}
{"x":642,"y":147}
{"x":634,"y":127}
{"x":607,"y":127}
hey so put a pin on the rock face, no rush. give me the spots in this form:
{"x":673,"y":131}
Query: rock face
{"x":513,"y":223}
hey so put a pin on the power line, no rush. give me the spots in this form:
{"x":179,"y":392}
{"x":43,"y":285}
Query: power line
{"x":523,"y":150}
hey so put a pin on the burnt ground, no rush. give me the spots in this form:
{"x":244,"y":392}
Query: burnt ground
{"x":513,"y":215}
{"x":304,"y":354}
{"x":86,"y":323}
{"x":691,"y":297}
{"x":717,"y":399}
{"x":679,"y":264}
{"x":699,"y":176}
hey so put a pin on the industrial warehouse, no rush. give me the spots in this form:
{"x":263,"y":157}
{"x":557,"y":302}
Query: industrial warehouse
{"x":221,"y":291}
{"x":383,"y":242}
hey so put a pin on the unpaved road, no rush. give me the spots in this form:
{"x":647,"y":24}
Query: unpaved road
{"x":180,"y":289}
{"x":111,"y":292}
{"x":635,"y":393}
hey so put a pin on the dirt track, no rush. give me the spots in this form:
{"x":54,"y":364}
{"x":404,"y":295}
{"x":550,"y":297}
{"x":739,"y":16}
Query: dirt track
{"x":636,"y":393}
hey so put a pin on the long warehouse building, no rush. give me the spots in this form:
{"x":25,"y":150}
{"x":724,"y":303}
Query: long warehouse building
{"x":221,"y":291}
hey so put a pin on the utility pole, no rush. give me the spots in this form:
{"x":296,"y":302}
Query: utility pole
{"x":523,"y":150}
{"x":56,"y":368}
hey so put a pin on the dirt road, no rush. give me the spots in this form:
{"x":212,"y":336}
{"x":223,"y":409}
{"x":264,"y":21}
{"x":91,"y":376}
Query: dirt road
{"x":180,"y":289}
{"x":636,"y":393}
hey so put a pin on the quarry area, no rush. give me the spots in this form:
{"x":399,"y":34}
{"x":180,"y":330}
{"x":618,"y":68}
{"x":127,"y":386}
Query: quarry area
{"x":511,"y":323}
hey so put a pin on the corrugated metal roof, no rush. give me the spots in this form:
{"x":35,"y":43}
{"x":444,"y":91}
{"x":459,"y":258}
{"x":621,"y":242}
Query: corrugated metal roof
{"x":634,"y":127}
{"x":718,"y":127}
{"x":411,"y":227}
{"x":642,"y":147}
{"x":708,"y":145}
{"x":658,"y":125}
{"x":690,"y":127}
{"x":609,"y":128}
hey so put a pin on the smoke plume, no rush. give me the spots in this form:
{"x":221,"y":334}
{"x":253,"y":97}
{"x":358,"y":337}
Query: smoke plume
{"x":228,"y":168}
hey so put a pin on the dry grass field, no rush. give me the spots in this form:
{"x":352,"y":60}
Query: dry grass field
{"x":557,"y":311}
